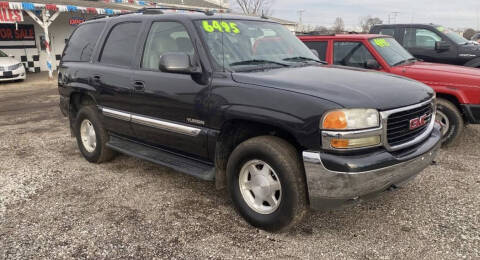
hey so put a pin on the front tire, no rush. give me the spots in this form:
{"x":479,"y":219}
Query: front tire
{"x":266,"y":181}
{"x":92,"y":136}
{"x":451,"y":120}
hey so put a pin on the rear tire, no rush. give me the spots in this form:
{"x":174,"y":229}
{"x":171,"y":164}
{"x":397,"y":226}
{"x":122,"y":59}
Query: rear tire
{"x":266,"y":181}
{"x":92,"y":136}
{"x":451,"y":120}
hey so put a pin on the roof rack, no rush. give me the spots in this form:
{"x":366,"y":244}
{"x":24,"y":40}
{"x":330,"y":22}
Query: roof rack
{"x":154,"y":10}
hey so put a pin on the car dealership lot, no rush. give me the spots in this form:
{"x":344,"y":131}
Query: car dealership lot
{"x":53,"y":203}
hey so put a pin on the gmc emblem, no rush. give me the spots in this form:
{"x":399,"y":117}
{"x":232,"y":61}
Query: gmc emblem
{"x":418,"y":122}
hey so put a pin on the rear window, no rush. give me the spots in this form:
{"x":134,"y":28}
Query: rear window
{"x":120,"y":45}
{"x":81,"y":45}
{"x":320,"y":47}
{"x":390,"y":32}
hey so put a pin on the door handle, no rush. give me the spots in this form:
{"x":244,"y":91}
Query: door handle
{"x":139,"y":86}
{"x":96,"y":78}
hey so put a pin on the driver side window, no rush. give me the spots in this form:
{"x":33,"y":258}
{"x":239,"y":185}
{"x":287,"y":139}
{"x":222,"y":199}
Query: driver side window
{"x":165,"y":37}
{"x":352,"y":54}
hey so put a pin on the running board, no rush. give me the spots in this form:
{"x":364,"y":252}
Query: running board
{"x":176,"y":162}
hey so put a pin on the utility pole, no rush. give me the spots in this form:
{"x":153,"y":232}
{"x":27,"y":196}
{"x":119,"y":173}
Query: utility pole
{"x":395,"y":16}
{"x":300,"y":18}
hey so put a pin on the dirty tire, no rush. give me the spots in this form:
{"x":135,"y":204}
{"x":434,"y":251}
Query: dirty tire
{"x":284,"y":160}
{"x":456,"y":123}
{"x":101,"y":153}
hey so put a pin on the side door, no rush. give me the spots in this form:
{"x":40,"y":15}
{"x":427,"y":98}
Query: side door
{"x":112,"y":75}
{"x":352,"y":54}
{"x":420,"y":42}
{"x":170,"y":109}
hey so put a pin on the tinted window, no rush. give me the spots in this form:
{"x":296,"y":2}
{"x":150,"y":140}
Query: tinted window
{"x":320,"y":47}
{"x":390,"y":32}
{"x":352,"y":54}
{"x":81,"y":45}
{"x":420,"y":38}
{"x":165,"y":37}
{"x":120,"y":45}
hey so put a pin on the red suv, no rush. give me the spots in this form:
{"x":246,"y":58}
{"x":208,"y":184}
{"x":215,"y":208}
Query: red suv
{"x":458,"y":88}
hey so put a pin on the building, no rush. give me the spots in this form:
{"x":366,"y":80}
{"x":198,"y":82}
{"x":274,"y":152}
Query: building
{"x":24,"y":25}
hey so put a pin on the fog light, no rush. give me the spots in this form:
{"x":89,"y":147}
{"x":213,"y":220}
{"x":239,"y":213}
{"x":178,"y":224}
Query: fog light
{"x":355,"y":143}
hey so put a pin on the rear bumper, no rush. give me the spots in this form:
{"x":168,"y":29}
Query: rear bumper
{"x":329,"y":188}
{"x":472,"y":113}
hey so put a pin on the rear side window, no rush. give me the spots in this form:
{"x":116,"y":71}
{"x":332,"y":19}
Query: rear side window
{"x":81,"y":45}
{"x":390,"y":32}
{"x":320,"y":47}
{"x":119,"y":47}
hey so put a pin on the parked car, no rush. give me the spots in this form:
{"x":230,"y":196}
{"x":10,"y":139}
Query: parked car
{"x":433,"y":43}
{"x":11,"y":69}
{"x":457,"y":88}
{"x":242,"y":101}
{"x":476,"y":37}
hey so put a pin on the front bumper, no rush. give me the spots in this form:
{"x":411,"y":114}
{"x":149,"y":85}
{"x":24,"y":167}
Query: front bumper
{"x":348,"y":178}
{"x":17,"y":74}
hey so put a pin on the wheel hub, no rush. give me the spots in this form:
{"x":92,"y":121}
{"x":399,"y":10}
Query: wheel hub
{"x":260,"y":187}
{"x":88,"y":135}
{"x":443,"y":120}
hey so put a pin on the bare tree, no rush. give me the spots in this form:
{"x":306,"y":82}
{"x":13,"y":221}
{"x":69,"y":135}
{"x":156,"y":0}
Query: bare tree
{"x":338,"y":25}
{"x":255,"y":7}
{"x":367,"y":22}
{"x":468,"y":34}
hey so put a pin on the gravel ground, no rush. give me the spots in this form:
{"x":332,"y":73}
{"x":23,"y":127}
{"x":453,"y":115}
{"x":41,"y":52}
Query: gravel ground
{"x":54,"y":204}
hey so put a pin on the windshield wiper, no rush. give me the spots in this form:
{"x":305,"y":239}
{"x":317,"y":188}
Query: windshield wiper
{"x":300,"y":58}
{"x":405,"y":61}
{"x":258,"y":61}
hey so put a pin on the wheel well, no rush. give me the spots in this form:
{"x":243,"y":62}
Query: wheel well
{"x":237,"y":131}
{"x":452,"y":99}
{"x":77,"y":100}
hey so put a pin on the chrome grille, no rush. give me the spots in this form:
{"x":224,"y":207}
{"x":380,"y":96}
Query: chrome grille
{"x":398,"y":124}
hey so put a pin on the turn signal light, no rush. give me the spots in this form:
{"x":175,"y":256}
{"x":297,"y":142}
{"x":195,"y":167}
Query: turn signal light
{"x":355,"y":143}
{"x":335,"y":120}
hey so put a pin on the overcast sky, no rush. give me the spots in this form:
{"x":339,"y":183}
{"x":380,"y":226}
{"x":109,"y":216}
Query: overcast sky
{"x":450,"y":13}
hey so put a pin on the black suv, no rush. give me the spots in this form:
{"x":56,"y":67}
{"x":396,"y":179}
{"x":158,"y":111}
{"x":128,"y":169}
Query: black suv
{"x":433,"y":43}
{"x":242,"y":101}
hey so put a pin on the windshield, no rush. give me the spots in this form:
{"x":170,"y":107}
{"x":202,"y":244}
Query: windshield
{"x":455,"y":37}
{"x":252,"y":43}
{"x":391,"y":51}
{"x":2,"y":54}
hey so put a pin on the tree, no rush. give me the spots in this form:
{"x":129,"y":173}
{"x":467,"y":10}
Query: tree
{"x":338,"y":25}
{"x":321,"y":30}
{"x":367,"y":22}
{"x":255,"y":7}
{"x":468,"y":34}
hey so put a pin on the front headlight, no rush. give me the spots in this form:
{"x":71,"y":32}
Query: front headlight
{"x":350,"y":119}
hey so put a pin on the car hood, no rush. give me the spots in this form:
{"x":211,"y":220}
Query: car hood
{"x":7,"y":61}
{"x":443,"y":74}
{"x":350,"y":88}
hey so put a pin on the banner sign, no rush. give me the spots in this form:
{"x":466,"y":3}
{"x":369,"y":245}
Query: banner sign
{"x":10,"y":16}
{"x":11,"y":38}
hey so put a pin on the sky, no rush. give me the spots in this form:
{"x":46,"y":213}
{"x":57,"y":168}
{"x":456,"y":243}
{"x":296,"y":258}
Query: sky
{"x":453,"y":14}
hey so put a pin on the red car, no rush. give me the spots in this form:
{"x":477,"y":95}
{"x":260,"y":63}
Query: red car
{"x":458,"y":88}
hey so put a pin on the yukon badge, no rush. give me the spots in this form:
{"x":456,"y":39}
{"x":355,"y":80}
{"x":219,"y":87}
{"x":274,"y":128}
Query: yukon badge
{"x":195,"y":121}
{"x":418,"y":122}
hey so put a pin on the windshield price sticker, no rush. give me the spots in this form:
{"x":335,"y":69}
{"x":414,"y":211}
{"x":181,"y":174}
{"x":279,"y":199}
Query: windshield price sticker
{"x":381,"y":43}
{"x":440,"y":28}
{"x":214,"y":25}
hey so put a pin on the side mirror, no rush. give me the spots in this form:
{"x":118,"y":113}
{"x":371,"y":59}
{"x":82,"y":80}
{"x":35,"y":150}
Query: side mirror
{"x":373,"y":64}
{"x":442,"y":46}
{"x":177,"y":62}
{"x":315,"y":52}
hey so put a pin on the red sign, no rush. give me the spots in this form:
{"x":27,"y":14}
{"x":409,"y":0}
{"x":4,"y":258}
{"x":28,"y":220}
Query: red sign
{"x":76,"y":20}
{"x":10,"y":16}
{"x":418,"y":122}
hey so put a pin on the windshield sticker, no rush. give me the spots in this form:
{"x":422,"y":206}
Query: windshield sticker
{"x":381,"y":43}
{"x":214,"y":25}
{"x":440,"y":28}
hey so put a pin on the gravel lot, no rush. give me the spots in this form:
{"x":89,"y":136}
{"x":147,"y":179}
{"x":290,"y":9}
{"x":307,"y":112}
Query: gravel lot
{"x":54,"y":204}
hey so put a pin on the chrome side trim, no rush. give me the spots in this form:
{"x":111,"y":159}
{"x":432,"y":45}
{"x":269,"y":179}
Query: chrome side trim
{"x":384,"y":119}
{"x":116,"y":114}
{"x":164,"y":125}
{"x":151,"y":122}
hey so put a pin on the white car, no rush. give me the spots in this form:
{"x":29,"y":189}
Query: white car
{"x":11,"y":69}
